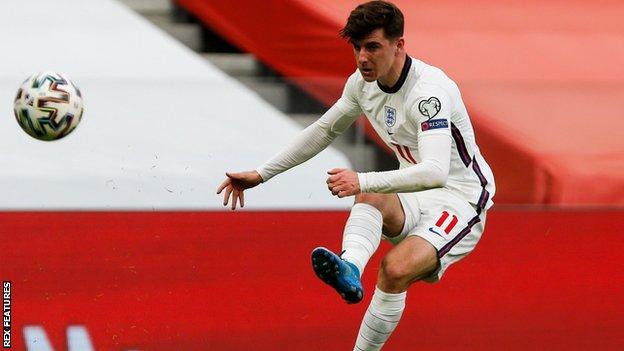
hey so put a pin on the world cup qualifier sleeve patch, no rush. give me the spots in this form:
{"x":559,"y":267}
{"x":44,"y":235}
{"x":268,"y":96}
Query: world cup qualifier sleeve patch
{"x":430,"y":108}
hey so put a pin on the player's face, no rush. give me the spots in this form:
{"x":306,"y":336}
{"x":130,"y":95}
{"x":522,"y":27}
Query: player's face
{"x":375,"y":55}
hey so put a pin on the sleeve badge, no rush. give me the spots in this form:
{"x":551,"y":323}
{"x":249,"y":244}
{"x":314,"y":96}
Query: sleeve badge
{"x":430,"y":107}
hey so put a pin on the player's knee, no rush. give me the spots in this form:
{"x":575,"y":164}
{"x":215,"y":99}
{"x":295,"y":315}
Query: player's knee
{"x":375,"y":200}
{"x":395,"y":274}
{"x":390,"y":208}
{"x":382,"y":202}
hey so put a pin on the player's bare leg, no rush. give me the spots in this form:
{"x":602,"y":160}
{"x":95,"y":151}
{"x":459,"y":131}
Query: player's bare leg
{"x":411,"y":260}
{"x":371,"y":214}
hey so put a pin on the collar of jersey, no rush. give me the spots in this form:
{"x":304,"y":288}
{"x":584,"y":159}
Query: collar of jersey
{"x":393,"y":89}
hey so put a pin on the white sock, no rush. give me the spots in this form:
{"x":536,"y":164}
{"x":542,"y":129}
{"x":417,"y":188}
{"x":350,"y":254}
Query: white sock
{"x":362,"y":235}
{"x":382,"y":316}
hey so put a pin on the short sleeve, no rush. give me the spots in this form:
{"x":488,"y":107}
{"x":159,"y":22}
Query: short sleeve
{"x":348,"y":102}
{"x":431,"y":110}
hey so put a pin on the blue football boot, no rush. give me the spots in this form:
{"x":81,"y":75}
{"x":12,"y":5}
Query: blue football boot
{"x":338,"y":273}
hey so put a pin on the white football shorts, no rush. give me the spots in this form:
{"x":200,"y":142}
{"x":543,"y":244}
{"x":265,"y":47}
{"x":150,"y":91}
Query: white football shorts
{"x":451,"y":224}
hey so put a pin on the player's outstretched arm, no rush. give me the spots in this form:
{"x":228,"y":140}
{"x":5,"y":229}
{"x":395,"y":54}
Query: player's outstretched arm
{"x":235,"y":185}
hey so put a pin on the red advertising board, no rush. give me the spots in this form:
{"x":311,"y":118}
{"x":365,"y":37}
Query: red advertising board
{"x":239,"y":281}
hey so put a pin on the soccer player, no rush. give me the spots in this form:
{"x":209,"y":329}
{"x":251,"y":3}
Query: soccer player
{"x":433,"y":208}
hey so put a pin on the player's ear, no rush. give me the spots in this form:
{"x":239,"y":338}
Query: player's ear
{"x":400,"y":44}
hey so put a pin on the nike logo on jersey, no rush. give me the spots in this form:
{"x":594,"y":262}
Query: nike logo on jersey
{"x":434,"y":231}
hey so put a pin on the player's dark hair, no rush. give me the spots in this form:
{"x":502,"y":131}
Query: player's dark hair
{"x":373,"y":15}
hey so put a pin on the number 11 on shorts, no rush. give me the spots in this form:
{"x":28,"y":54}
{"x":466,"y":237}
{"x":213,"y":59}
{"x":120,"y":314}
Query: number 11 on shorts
{"x":443,"y":218}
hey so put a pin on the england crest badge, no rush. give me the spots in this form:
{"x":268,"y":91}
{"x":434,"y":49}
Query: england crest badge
{"x":390,"y":116}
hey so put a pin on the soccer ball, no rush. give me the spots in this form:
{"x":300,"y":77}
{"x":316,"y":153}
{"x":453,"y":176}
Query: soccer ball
{"x":48,"y":106}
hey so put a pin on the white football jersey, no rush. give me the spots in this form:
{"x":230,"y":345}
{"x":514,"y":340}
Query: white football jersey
{"x":423,"y":101}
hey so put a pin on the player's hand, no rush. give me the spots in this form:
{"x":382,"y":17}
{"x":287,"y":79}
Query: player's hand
{"x":343,"y":182}
{"x":235,"y":184}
